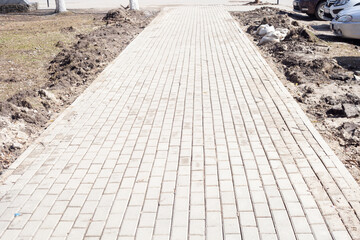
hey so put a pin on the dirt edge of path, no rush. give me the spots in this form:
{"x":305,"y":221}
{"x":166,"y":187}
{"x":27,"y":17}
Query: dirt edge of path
{"x":320,"y":70}
{"x":27,"y":113}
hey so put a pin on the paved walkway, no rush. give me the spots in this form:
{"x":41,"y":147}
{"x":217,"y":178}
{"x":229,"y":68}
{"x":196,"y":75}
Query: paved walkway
{"x":188,"y":134}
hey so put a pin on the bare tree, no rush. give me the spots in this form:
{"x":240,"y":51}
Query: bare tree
{"x":134,"y":4}
{"x":60,"y":6}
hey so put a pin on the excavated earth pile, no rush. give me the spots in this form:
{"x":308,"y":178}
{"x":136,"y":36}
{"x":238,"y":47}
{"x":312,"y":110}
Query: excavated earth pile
{"x":24,"y":115}
{"x":322,"y":73}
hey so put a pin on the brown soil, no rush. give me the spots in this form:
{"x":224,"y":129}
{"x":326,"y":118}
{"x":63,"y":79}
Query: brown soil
{"x":37,"y":84}
{"x":322,"y":72}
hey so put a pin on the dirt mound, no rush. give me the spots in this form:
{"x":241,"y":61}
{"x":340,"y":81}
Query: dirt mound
{"x":327,"y":85}
{"x":69,"y":73}
{"x":277,"y":18}
{"x":301,"y":65}
{"x":118,"y":15}
{"x":81,"y":62}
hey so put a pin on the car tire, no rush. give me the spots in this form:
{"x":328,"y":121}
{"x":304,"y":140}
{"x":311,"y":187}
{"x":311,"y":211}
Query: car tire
{"x":320,"y":10}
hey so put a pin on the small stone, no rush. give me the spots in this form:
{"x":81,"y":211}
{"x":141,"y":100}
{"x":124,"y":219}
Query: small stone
{"x":350,"y":133}
{"x":350,"y":127}
{"x":350,"y":110}
{"x":330,"y":100}
{"x":307,"y":34}
{"x":295,"y":23}
{"x":340,"y":76}
{"x":16,"y":146}
{"x":294,"y":77}
{"x":22,"y":137}
{"x":60,"y":44}
{"x":48,"y":95}
{"x":3,"y":124}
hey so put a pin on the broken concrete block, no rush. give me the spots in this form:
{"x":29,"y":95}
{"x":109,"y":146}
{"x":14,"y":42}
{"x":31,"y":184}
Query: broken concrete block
{"x":350,"y":110}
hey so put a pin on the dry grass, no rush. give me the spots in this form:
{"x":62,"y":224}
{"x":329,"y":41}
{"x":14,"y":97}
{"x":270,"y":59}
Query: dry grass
{"x":28,"y":43}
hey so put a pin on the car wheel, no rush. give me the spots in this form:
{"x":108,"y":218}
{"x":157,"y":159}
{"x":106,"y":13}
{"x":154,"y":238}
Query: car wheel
{"x":320,"y":10}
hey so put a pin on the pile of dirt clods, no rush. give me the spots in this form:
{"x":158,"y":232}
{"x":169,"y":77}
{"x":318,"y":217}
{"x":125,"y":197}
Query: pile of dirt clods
{"x":24,"y":115}
{"x":326,"y":83}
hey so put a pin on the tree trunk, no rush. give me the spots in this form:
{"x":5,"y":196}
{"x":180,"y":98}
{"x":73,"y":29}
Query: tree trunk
{"x":60,"y":6}
{"x":134,"y":5}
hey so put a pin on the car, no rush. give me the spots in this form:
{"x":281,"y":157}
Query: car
{"x":327,"y":14}
{"x":340,"y":5}
{"x":347,"y":23}
{"x":310,"y":7}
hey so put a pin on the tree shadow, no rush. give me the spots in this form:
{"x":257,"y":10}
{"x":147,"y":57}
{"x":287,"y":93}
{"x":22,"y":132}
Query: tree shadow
{"x":349,"y":63}
{"x":41,"y":12}
{"x":301,"y":17}
{"x":49,"y":12}
{"x":334,"y":38}
{"x":321,"y":28}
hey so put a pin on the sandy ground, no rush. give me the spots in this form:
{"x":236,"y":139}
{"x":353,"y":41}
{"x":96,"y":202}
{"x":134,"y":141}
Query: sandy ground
{"x":48,"y":60}
{"x":321,"y":71}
